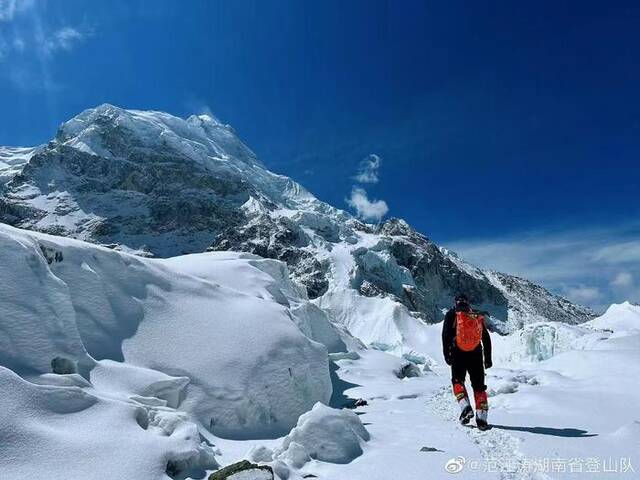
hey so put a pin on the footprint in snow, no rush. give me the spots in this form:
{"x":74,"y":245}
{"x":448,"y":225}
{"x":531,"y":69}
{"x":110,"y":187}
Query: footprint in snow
{"x":496,"y":446}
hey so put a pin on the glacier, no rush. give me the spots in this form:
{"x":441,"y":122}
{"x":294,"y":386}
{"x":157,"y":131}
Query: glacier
{"x":171,"y":306}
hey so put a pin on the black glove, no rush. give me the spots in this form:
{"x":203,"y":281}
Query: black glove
{"x":487,"y":363}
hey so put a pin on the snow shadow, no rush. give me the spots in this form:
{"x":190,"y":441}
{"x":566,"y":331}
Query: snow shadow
{"x":338,"y":398}
{"x":556,"y":432}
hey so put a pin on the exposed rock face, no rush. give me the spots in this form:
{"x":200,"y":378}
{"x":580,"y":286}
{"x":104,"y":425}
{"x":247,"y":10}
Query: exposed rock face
{"x":530,"y":301}
{"x":154,"y":183}
{"x":111,"y":177}
{"x":280,"y":238}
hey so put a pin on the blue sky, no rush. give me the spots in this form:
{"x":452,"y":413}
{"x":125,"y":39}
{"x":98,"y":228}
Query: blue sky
{"x":490,"y":126}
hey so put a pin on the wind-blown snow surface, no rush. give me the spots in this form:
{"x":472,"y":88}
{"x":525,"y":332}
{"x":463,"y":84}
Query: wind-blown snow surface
{"x":160,"y":346}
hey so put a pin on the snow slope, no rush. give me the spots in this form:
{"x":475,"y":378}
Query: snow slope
{"x":147,"y":354}
{"x":620,"y":318}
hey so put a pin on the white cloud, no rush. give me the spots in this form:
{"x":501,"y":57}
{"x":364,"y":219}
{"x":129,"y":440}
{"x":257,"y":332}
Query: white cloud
{"x":63,"y":39}
{"x":584,"y":294}
{"x":623,"y":280}
{"x":359,"y":200}
{"x":365,"y":208}
{"x":621,"y":252}
{"x":35,"y":37}
{"x":368,"y":170}
{"x":583,"y":265}
{"x":31,"y":44}
{"x":10,"y":8}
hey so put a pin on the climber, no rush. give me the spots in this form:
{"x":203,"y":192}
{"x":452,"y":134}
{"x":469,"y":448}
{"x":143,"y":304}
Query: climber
{"x":466,"y":346}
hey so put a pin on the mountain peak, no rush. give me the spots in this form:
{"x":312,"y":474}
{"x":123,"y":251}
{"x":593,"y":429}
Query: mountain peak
{"x":110,"y":131}
{"x":395,"y":226}
{"x":154,"y":182}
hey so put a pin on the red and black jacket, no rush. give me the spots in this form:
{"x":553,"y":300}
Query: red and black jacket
{"x":449,"y":336}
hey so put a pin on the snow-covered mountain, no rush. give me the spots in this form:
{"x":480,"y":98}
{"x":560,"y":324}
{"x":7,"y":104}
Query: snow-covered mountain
{"x":156,"y":184}
{"x":115,"y":365}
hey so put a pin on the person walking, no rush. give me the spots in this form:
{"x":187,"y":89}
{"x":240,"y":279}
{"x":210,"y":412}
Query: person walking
{"x":466,"y":346}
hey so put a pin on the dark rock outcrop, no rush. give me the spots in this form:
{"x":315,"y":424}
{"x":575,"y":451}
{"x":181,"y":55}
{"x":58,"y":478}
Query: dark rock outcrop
{"x":251,"y":471}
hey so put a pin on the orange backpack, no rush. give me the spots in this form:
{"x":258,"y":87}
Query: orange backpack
{"x":468,"y":330}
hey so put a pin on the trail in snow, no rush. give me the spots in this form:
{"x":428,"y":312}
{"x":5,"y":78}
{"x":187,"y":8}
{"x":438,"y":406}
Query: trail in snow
{"x":499,"y":449}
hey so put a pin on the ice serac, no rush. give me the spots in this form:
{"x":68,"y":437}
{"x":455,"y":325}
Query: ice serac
{"x":162,"y":185}
{"x":163,"y":332}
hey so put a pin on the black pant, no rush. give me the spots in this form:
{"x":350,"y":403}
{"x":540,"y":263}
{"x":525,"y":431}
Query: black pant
{"x":471,"y":362}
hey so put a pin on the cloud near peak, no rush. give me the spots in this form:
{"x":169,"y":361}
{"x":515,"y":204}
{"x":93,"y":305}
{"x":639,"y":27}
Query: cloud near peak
{"x":368,"y":170}
{"x":365,"y":208}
